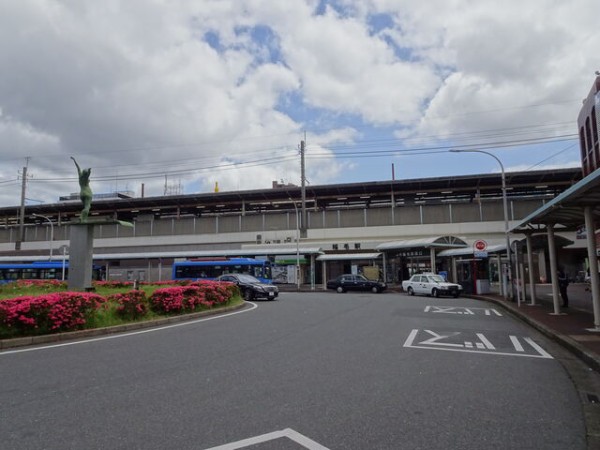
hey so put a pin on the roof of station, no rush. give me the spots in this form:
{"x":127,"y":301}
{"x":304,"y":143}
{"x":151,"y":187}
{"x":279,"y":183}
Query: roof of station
{"x":567,"y":209}
{"x":543,"y":183}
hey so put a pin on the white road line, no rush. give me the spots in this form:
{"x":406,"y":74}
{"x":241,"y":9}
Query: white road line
{"x":487,"y":343}
{"x":538,"y":348}
{"x":132,"y":333}
{"x":287,"y":433}
{"x":517,"y":344}
{"x":411,"y":338}
{"x":482,"y":351}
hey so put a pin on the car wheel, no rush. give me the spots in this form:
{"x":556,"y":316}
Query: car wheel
{"x":248,"y":295}
{"x":410,"y":291}
{"x":375,"y":290}
{"x":455,"y":295}
{"x":435,"y":292}
{"x":340,"y":290}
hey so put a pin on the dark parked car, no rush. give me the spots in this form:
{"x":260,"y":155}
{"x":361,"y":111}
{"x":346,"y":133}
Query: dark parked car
{"x":251,"y":287}
{"x":345,"y":283}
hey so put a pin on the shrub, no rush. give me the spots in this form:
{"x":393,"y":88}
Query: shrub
{"x":196,"y":296}
{"x":61,"y":311}
{"x":217,"y":292}
{"x":131,"y":305}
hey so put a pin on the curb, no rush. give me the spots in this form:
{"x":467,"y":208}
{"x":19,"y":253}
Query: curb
{"x":80,"y":334}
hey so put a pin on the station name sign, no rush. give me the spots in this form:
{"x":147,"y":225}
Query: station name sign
{"x":412,"y":253}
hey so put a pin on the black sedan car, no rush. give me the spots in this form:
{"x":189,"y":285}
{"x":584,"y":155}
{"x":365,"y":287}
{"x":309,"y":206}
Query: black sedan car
{"x":251,"y":287}
{"x":345,"y":283}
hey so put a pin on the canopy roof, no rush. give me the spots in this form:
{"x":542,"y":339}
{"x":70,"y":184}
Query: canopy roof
{"x":566,"y":209}
{"x":440,"y":241}
{"x":347,"y":256}
{"x":500,"y":248}
{"x":259,"y":251}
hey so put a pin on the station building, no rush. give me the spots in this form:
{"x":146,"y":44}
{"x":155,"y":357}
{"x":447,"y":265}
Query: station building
{"x":385,"y":229}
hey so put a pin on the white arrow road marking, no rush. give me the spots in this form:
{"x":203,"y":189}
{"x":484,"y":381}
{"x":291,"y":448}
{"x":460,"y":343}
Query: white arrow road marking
{"x":287,"y":433}
{"x":436,"y":337}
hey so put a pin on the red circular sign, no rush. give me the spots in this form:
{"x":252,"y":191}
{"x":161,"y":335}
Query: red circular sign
{"x":480,"y":245}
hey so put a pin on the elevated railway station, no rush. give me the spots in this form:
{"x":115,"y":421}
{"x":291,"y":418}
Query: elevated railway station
{"x":396,"y":226}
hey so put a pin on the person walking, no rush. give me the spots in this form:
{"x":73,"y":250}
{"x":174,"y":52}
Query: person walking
{"x":563,"y":283}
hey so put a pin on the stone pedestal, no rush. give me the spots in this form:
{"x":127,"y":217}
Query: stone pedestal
{"x":81,"y":252}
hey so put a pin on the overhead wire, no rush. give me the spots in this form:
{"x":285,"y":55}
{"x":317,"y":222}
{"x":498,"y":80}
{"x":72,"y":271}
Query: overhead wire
{"x":358,"y":149}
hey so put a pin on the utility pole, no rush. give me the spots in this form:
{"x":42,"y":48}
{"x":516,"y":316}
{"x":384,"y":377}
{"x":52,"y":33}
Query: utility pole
{"x":22,"y":210}
{"x":304,"y":226}
{"x":393,"y":201}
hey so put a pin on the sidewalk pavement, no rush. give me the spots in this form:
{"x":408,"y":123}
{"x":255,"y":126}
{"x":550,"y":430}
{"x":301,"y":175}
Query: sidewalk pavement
{"x":572,"y":328}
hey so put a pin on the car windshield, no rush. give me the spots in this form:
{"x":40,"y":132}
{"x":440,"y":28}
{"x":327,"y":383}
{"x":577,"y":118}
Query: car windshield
{"x":436,"y":279}
{"x":248,"y":279}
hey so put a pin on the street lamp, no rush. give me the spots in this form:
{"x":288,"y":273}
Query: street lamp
{"x":64,"y":249}
{"x":505,"y":201}
{"x":51,"y":231}
{"x":297,"y":245}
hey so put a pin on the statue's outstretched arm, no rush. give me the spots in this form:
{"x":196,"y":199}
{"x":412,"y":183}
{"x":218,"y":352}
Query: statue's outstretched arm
{"x":76,"y":165}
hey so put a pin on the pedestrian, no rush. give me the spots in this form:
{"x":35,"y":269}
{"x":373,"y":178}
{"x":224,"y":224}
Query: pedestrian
{"x":563,"y":283}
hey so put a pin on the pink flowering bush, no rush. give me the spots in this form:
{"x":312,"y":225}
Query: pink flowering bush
{"x":132,"y":305}
{"x":60,"y":311}
{"x":67,"y":311}
{"x":217,"y":292}
{"x":198,"y":295}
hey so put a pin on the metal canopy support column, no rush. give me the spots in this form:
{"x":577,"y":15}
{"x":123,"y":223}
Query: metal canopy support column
{"x":385,"y":278}
{"x":553,"y":267}
{"x":454,"y":273}
{"x":432,"y":259}
{"x":501,"y":284}
{"x":594,"y":278}
{"x":324,"y":270}
{"x":531,"y":271}
{"x":312,"y":272}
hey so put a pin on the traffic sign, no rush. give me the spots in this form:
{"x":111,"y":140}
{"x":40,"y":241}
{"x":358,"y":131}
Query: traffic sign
{"x":480,"y":245}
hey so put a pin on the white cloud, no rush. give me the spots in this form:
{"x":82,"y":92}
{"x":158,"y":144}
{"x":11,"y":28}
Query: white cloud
{"x":136,"y":87}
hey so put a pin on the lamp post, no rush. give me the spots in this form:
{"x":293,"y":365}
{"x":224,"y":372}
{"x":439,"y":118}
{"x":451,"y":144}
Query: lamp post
{"x":64,"y":249}
{"x":51,"y":231}
{"x":505,"y":202}
{"x":297,"y":245}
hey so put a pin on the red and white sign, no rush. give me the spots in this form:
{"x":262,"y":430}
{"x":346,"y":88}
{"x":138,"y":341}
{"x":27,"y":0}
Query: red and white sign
{"x":480,"y":245}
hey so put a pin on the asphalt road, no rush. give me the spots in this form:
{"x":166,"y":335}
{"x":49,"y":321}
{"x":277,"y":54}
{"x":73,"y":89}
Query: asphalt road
{"x":311,"y":370}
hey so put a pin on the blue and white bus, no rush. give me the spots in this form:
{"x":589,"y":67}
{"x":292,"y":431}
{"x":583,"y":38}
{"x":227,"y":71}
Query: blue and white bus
{"x":199,"y":269}
{"x":38,"y":270}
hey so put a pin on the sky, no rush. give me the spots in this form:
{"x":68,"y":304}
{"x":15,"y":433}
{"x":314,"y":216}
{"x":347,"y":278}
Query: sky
{"x":164,"y":97}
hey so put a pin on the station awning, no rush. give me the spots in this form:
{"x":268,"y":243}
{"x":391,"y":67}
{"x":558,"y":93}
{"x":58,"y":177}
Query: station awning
{"x":566,"y":209}
{"x":348,"y":256}
{"x":259,"y":251}
{"x":468,"y":251}
{"x":439,"y":242}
